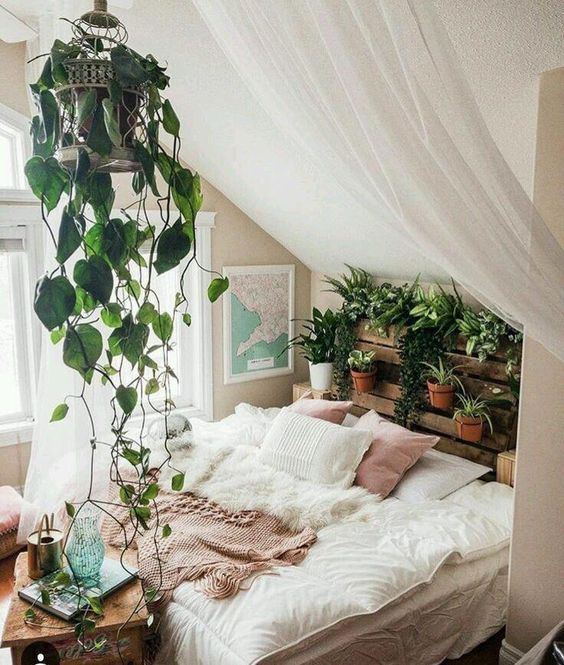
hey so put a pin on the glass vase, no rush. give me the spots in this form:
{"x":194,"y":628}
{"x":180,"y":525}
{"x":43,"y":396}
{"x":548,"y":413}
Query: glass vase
{"x":85,"y":547}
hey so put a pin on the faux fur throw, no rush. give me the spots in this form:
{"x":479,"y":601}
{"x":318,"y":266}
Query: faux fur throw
{"x":217,"y":548}
{"x":235,"y":478}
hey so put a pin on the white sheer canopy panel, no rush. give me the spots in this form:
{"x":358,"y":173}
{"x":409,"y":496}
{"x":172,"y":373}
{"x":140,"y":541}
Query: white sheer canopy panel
{"x":373,"y":93}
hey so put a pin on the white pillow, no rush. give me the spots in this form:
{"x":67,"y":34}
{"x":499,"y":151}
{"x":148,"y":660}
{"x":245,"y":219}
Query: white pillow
{"x":314,"y":449}
{"x":435,"y":476}
{"x":350,"y":420}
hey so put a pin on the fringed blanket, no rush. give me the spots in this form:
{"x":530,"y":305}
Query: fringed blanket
{"x":217,"y":548}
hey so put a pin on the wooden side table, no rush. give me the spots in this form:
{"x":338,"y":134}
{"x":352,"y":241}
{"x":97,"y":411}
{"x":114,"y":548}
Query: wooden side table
{"x":117,"y":610}
{"x":301,"y":388}
{"x":505,"y":470}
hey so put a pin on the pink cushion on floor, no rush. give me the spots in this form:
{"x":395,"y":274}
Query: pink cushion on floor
{"x":394,"y":450}
{"x":332,"y":412}
{"x":10,"y":508}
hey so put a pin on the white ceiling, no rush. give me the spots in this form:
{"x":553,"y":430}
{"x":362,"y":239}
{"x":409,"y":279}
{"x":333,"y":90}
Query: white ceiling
{"x":503,"y":46}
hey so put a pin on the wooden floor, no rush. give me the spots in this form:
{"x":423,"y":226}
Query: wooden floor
{"x":485,"y":654}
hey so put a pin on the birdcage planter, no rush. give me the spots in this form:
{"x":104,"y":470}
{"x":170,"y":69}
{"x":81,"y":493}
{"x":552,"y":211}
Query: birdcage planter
{"x":95,"y":74}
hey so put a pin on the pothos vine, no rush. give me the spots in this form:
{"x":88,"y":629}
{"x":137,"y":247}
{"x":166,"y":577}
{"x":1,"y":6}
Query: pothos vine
{"x":99,"y":300}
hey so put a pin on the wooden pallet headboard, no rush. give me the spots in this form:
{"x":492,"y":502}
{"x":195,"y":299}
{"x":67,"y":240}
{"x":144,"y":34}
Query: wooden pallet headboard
{"x":486,"y":377}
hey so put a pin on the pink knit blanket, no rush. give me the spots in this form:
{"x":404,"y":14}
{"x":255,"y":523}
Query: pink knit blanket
{"x":217,"y":548}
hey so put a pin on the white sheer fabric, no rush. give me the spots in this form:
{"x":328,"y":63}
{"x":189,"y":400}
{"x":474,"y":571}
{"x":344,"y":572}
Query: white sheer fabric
{"x":59,"y":467}
{"x":373,"y":92}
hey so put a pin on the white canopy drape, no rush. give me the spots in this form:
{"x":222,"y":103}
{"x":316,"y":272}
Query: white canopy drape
{"x":373,"y":92}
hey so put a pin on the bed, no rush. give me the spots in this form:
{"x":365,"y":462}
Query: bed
{"x":410,"y":584}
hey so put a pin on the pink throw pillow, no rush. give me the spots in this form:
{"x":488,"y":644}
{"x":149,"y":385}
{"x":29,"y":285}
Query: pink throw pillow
{"x":332,"y":412}
{"x":394,"y":450}
{"x":10,"y":508}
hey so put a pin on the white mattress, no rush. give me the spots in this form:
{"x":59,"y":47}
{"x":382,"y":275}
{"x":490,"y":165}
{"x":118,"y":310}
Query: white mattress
{"x":336,"y":607}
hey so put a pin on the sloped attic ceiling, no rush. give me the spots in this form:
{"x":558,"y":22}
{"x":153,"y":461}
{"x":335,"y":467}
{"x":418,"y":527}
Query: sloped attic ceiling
{"x":503,"y":46}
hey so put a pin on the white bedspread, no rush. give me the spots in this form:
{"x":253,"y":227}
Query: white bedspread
{"x":369,"y":554}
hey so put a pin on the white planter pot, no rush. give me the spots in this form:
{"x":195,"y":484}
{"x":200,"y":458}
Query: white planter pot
{"x":321,"y":376}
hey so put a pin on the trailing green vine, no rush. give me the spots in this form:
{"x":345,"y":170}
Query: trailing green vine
{"x":344,"y":344}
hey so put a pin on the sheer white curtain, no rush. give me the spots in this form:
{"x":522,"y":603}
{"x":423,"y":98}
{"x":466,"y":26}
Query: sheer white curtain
{"x":61,"y":452}
{"x":373,"y":92}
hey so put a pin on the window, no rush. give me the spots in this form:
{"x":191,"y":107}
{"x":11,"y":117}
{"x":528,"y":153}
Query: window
{"x":14,"y":151}
{"x":191,"y":357}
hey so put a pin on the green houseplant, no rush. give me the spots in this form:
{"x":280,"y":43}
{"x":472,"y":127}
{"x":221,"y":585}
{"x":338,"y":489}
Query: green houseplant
{"x":317,"y":343}
{"x":441,"y":384}
{"x":101,"y":110}
{"x":470,"y":416}
{"x":363,"y":370}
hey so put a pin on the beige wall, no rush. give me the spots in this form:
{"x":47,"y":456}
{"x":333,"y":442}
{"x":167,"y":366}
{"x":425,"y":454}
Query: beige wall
{"x":236,"y":240}
{"x":536,"y":586}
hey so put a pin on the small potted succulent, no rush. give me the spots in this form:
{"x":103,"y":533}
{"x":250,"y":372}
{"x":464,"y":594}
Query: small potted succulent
{"x":470,"y":417}
{"x":441,"y":385}
{"x":317,"y":343}
{"x":363,"y":370}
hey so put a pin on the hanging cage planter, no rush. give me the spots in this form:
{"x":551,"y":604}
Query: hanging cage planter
{"x":90,"y":79}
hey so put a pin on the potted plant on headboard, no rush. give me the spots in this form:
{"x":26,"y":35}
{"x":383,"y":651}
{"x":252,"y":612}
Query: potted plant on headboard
{"x":441,"y":385}
{"x":470,"y":416}
{"x":363,"y":370}
{"x":317,"y":343}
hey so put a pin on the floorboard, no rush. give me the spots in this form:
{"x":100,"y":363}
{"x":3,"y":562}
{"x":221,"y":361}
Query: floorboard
{"x":485,"y":654}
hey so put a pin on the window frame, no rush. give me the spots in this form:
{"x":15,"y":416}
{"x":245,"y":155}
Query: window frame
{"x":21,"y":151}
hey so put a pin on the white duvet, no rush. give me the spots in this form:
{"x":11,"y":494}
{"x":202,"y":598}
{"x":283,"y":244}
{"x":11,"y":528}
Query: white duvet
{"x":369,"y":554}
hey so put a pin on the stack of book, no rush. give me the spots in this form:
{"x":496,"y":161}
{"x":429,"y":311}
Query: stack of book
{"x":68,"y":600}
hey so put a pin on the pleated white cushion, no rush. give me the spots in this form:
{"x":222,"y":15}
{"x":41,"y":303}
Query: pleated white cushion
{"x":314,"y":449}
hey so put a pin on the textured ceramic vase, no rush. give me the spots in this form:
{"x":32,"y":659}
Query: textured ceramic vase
{"x":321,"y":375}
{"x":85,"y":547}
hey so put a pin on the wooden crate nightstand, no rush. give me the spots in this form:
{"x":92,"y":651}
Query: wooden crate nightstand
{"x":117,"y":609}
{"x":301,"y":388}
{"x":506,"y":467}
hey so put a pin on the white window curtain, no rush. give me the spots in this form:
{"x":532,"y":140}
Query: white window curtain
{"x":372,"y":91}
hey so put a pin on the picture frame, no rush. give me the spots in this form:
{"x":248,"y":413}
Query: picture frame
{"x":258,"y":313}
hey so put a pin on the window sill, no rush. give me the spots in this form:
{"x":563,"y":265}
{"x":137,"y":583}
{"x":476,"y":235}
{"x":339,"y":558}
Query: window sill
{"x":16,"y":433}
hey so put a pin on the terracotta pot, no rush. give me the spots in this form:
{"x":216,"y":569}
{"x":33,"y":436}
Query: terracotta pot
{"x":469,"y":429}
{"x":363,"y":381}
{"x":441,"y":396}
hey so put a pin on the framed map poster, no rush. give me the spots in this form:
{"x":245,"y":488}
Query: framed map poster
{"x":258,"y":310}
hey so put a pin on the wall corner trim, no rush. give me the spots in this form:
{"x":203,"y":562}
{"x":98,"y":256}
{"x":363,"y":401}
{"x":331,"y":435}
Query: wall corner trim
{"x":509,"y":655}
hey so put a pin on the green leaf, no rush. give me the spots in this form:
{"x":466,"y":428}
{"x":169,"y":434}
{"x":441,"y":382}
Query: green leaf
{"x":127,"y":492}
{"x":127,"y":399}
{"x":111,"y":315}
{"x":59,"y":412}
{"x":58,"y":334}
{"x":134,"y":342}
{"x":148,"y":164}
{"x":45,"y":597}
{"x":166,"y":531}
{"x":85,"y":106}
{"x":61,"y":51}
{"x":217,"y":287}
{"x":187,"y":319}
{"x":30,"y":615}
{"x":147,"y":313}
{"x":45,"y":81}
{"x":152,"y":387}
{"x":71,"y":510}
{"x":151,"y":492}
{"x":115,"y":91}
{"x":111,"y":122}
{"x":94,"y":239}
{"x":172,"y":247}
{"x":47,"y":180}
{"x":177,"y":482}
{"x":54,"y":301}
{"x":98,"y":139}
{"x":171,"y":123}
{"x":162,"y":327}
{"x":95,"y":603}
{"x":82,"y":347}
{"x":148,"y":362}
{"x":116,"y":241}
{"x":143,"y":514}
{"x":129,"y":71}
{"x":94,"y":275}
{"x":134,"y":288}
{"x":102,"y":195}
{"x":62,"y":578}
{"x":132,"y":456}
{"x":49,"y":116}
{"x":70,"y":236}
